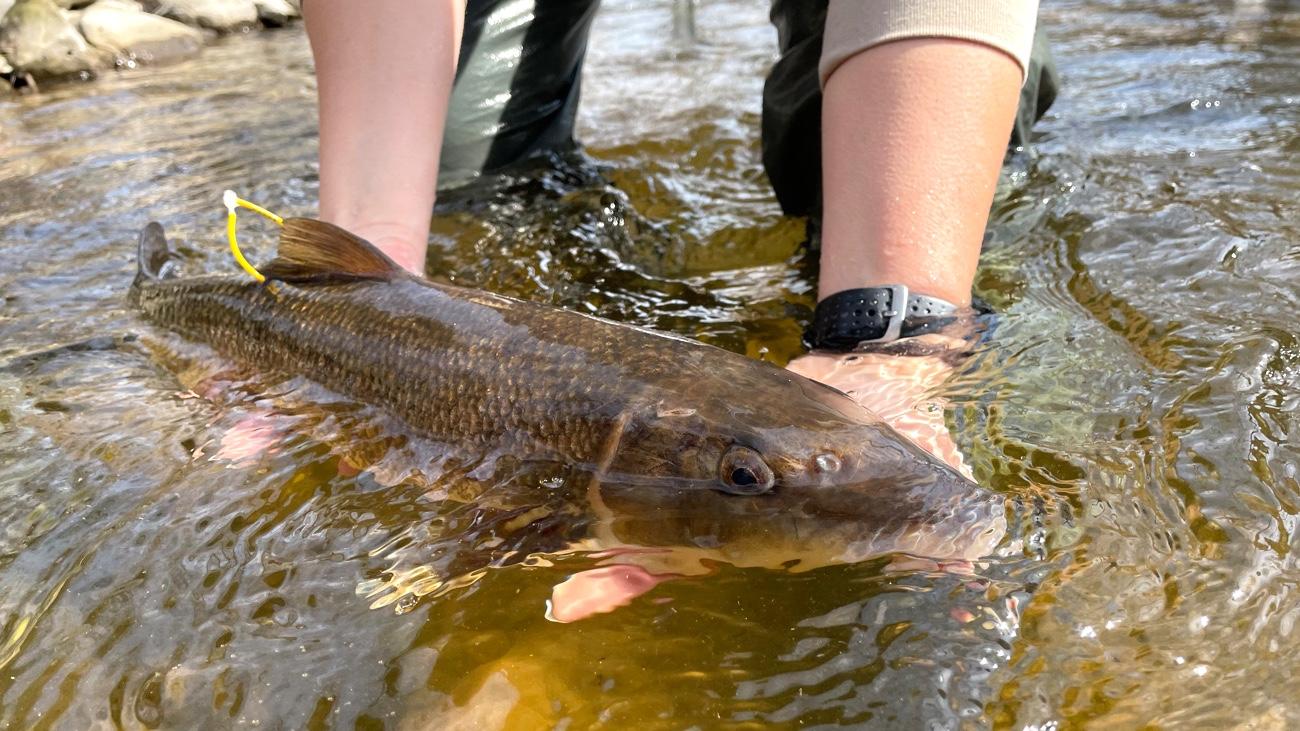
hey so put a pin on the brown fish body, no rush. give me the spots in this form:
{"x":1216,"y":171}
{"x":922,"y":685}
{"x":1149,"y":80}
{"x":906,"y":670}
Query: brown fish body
{"x":457,"y":366}
{"x":672,"y":427}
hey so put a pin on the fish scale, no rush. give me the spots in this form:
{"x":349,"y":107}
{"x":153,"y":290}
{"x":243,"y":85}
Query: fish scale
{"x":456,"y":384}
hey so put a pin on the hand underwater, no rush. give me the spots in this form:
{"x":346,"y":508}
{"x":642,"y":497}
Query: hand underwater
{"x":896,"y":388}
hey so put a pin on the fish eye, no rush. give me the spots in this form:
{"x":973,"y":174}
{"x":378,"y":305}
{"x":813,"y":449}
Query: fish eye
{"x":827,"y":463}
{"x":742,"y":471}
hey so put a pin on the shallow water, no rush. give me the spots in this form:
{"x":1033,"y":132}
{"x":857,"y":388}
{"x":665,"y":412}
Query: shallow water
{"x":1136,"y":404}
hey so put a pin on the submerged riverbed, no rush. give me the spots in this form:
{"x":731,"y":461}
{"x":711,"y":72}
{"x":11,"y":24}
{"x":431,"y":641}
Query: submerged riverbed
{"x":1136,"y":404}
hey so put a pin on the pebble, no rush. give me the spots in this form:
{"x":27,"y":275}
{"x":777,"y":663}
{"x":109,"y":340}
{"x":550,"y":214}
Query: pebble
{"x":277,"y":13}
{"x":220,"y":15}
{"x":51,"y":39}
{"x":122,"y":28}
{"x":38,"y":39}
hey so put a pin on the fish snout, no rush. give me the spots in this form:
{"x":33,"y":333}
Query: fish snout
{"x":933,"y":513}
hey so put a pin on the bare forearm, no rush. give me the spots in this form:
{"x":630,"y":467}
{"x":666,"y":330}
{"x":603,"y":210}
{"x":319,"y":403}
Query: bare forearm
{"x":384,"y":70}
{"x":913,"y":133}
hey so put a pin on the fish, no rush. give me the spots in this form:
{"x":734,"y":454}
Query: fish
{"x":686,"y":444}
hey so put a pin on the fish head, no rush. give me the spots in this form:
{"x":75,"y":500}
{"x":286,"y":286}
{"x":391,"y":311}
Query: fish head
{"x":807,"y":471}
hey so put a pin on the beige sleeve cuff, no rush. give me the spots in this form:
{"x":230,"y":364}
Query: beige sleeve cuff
{"x":853,"y":26}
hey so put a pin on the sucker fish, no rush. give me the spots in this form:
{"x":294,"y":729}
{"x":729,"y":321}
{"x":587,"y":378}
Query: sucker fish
{"x":687,"y":444}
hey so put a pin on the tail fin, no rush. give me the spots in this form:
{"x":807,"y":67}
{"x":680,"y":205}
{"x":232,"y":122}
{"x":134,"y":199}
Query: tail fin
{"x":156,"y":259}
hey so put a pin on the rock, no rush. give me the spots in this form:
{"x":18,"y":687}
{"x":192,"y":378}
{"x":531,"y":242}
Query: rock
{"x":4,"y":7}
{"x":277,"y":13}
{"x":5,"y":68}
{"x":222,"y":15}
{"x":38,"y":40}
{"x":122,"y":28}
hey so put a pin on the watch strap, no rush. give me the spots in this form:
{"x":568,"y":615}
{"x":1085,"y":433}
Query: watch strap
{"x":847,"y":319}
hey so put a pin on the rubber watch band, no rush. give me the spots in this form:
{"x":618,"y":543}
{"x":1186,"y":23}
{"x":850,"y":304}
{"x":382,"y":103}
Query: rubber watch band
{"x":847,"y":319}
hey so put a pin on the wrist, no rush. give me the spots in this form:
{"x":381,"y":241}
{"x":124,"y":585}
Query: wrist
{"x":921,"y":267}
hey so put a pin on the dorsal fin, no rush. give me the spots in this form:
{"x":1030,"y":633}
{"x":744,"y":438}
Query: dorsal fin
{"x":315,"y":251}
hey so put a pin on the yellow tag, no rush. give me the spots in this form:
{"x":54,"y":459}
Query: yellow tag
{"x":233,"y":202}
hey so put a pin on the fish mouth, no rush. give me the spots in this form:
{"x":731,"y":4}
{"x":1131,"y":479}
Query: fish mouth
{"x":937,"y":515}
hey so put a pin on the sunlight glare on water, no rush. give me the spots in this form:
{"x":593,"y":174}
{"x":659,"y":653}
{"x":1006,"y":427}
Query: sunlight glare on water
{"x":1136,"y":405}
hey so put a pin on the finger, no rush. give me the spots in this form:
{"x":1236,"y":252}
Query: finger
{"x":597,"y":591}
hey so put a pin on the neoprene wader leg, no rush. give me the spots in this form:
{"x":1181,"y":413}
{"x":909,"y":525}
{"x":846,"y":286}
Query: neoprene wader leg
{"x":517,"y":84}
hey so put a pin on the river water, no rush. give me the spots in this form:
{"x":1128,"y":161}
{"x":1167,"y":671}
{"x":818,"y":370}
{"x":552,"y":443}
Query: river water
{"x":1136,"y":404}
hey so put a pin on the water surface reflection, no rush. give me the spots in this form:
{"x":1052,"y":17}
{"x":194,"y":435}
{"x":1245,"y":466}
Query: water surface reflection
{"x":1136,"y":405}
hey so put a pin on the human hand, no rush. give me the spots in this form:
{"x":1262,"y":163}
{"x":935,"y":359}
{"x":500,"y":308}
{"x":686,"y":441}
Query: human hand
{"x":897,"y":388}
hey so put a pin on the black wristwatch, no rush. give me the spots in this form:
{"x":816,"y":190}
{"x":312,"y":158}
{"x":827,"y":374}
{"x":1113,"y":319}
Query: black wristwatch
{"x":850,"y":318}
